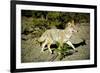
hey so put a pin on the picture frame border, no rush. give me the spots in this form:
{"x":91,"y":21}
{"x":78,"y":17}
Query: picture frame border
{"x":13,"y":36}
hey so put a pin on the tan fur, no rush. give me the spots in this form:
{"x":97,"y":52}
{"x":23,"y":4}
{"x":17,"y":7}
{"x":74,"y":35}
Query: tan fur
{"x":52,"y":36}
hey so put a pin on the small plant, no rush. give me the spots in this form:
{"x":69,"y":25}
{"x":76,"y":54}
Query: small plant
{"x":63,"y":51}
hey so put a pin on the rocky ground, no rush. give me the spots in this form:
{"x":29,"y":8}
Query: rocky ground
{"x":30,"y":49}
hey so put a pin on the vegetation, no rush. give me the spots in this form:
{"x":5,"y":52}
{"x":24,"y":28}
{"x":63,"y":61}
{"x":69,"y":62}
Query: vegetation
{"x":48,"y":19}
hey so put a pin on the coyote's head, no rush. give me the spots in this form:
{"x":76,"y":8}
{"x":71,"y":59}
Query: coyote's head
{"x":72,"y":27}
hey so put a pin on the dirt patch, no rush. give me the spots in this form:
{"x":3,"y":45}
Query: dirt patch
{"x":30,"y":48}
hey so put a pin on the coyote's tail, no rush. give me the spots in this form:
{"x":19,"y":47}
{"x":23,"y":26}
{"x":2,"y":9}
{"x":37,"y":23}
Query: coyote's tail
{"x":43,"y":37}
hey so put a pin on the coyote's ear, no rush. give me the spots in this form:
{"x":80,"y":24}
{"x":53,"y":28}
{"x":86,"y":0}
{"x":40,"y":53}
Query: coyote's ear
{"x":71,"y":23}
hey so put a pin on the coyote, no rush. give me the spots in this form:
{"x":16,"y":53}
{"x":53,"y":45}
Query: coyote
{"x":61,"y":36}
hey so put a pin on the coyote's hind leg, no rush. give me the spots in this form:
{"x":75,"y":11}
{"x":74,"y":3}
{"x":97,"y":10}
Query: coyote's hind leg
{"x":43,"y":45}
{"x":49,"y":48}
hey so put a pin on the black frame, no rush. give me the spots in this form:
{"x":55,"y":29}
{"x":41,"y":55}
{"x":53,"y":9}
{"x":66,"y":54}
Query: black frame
{"x":13,"y":36}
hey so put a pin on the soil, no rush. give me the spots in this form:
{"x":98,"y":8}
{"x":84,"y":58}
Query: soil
{"x":30,"y":48}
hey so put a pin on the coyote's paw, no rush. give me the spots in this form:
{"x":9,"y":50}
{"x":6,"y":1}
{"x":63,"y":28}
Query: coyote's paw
{"x":50,"y":51}
{"x":41,"y":51}
{"x":76,"y":50}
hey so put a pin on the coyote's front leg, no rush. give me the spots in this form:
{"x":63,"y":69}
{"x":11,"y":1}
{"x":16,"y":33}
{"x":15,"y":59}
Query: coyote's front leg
{"x":60,"y":45}
{"x":70,"y":44}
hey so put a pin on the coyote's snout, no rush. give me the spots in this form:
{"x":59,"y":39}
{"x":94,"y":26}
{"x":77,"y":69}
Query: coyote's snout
{"x":52,"y":36}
